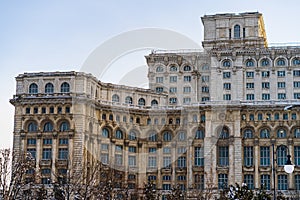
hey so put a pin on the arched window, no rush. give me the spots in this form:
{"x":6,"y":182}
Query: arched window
{"x":187,"y":68}
{"x":65,"y":87}
{"x":265,"y":62}
{"x":249,"y":63}
{"x":223,"y":133}
{"x":159,"y":69}
{"x":141,"y":102}
{"x":105,"y":133}
{"x":276,"y":116}
{"x":280,"y":62}
{"x":264,"y":133}
{"x":200,"y":134}
{"x":119,"y":134}
{"x":281,"y":133}
{"x":237,"y":31}
{"x":152,"y":137}
{"x":32,"y":127}
{"x":33,"y":88}
{"x":297,"y":133}
{"x":167,"y":136}
{"x":296,"y":61}
{"x":181,"y":136}
{"x":154,"y":102}
{"x":128,"y":100}
{"x":115,"y":98}
{"x":48,"y":127}
{"x":49,"y":88}
{"x":173,"y":68}
{"x":281,"y":155}
{"x":226,"y":63}
{"x":132,"y":135}
{"x":64,"y":126}
{"x":248,"y":133}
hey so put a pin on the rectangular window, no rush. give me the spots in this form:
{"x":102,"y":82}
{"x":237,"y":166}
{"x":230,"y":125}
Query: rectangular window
{"x":296,"y":84}
{"x":265,"y":74}
{"x":187,"y":100}
{"x":199,"y":181}
{"x":265,"y":181}
{"x":31,"y":141}
{"x":227,"y":86}
{"x":297,"y":182}
{"x":62,"y":153}
{"x":199,"y":156}
{"x":104,"y":158}
{"x":63,"y":141}
{"x":226,"y":97}
{"x":173,"y":100}
{"x":296,"y":95}
{"x":223,"y":156}
{"x":104,"y":147}
{"x":249,"y":180}
{"x":248,"y":156}
{"x":167,"y":163}
{"x":222,"y":181}
{"x":205,"y":99}
{"x":152,"y":161}
{"x":282,"y":182}
{"x":152,"y":150}
{"x":166,"y":178}
{"x":119,"y":159}
{"x":250,"y":74}
{"x":281,"y":85}
{"x":280,"y":73}
{"x":43,"y":110}
{"x":32,"y":152}
{"x":250,"y":85}
{"x":205,"y":89}
{"x":281,"y":96}
{"x":119,"y":148}
{"x":132,"y":149}
{"x":159,"y":79}
{"x":296,"y":73}
{"x":297,"y":155}
{"x":265,"y":85}
{"x":226,"y":75}
{"x":159,"y":89}
{"x":265,"y":96}
{"x":264,"y":156}
{"x":131,"y":161}
{"x":250,"y":96}
{"x":173,"y":90}
{"x":187,"y":78}
{"x":166,"y":187}
{"x":205,"y":79}
{"x":173,"y":79}
{"x":166,"y":150}
{"x":181,"y":162}
{"x":47,"y":141}
{"x":47,"y":154}
{"x":187,"y":89}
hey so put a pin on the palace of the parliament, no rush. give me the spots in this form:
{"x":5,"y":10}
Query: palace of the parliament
{"x":210,"y":118}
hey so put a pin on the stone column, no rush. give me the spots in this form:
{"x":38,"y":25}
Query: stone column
{"x":256,"y":163}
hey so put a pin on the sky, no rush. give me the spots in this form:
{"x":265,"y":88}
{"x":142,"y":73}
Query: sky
{"x":60,"y":35}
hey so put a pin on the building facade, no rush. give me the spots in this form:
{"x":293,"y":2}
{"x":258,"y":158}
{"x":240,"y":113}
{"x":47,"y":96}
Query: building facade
{"x":209,"y":118}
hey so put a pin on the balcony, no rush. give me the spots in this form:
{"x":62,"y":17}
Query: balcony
{"x":45,"y":162}
{"x":61,"y":163}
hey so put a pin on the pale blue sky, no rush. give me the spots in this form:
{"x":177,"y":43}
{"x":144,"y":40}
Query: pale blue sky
{"x":59,"y":35}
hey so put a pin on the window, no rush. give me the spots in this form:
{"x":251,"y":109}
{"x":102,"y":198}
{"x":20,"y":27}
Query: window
{"x":46,"y":180}
{"x":152,"y":150}
{"x":248,"y":156}
{"x":63,"y":153}
{"x":281,"y":85}
{"x":152,"y":161}
{"x":281,"y":96}
{"x":205,"y":67}
{"x":297,"y":155}
{"x":264,"y":156}
{"x":105,"y":133}
{"x":249,"y":180}
{"x":31,"y":141}
{"x":223,"y":133}
{"x":248,"y":133}
{"x":199,"y":134}
{"x":173,"y":79}
{"x":65,"y":87}
{"x":222,"y":181}
{"x":167,"y":162}
{"x":251,"y":117}
{"x":296,"y":84}
{"x":281,"y":73}
{"x":131,"y":161}
{"x":159,"y":79}
{"x":64,"y":126}
{"x":187,"y":78}
{"x":294,"y":116}
{"x":128,"y":100}
{"x":199,"y":181}
{"x":296,"y":61}
{"x":282,"y":182}
{"x":33,"y":88}
{"x":187,"y":68}
{"x":265,"y":85}
{"x":181,"y":136}
{"x":265,"y":96}
{"x":205,"y":89}
{"x":181,"y":162}
{"x":166,"y":186}
{"x":250,"y":97}
{"x":132,"y":135}
{"x":152,"y":137}
{"x":259,"y":116}
{"x":249,"y":63}
{"x":27,"y":110}
{"x":223,"y":155}
{"x":48,"y":127}
{"x":47,"y":141}
{"x":249,"y":74}
{"x":264,"y":133}
{"x":296,"y":95}
{"x":227,"y":86}
{"x":32,"y":127}
{"x":199,"y":156}
{"x":166,"y":150}
{"x":115,"y":98}
{"x":104,"y":147}
{"x":173,"y":89}
{"x":281,"y":133}
{"x":205,"y":99}
{"x":104,"y":158}
{"x":265,"y":181}
{"x":166,"y":178}
{"x":173,"y":68}
{"x":226,"y":97}
{"x":297,"y":133}
{"x":265,"y":74}
{"x":32,"y":152}
{"x":159,"y":69}
{"x":118,"y":159}
{"x":205,"y":79}
{"x":281,"y":155}
{"x":226,"y":75}
{"x":47,"y":154}
{"x":119,"y":134}
{"x":181,"y":150}
{"x":187,"y":100}
{"x":173,"y":100}
{"x":49,"y":88}
{"x":35,"y":110}
{"x":250,"y":85}
{"x":46,"y":171}
{"x":296,"y":73}
{"x":141,"y":102}
{"x":280,"y":62}
{"x":237,"y":31}
{"x":181,"y":178}
{"x":67,"y":109}
{"x":187,"y":89}
{"x":159,"y":89}
{"x":265,"y":62}
{"x":132,"y":149}
{"x":63,"y":141}
{"x":297,"y":182}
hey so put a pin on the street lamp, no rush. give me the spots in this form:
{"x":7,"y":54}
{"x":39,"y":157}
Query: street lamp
{"x":288,"y":168}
